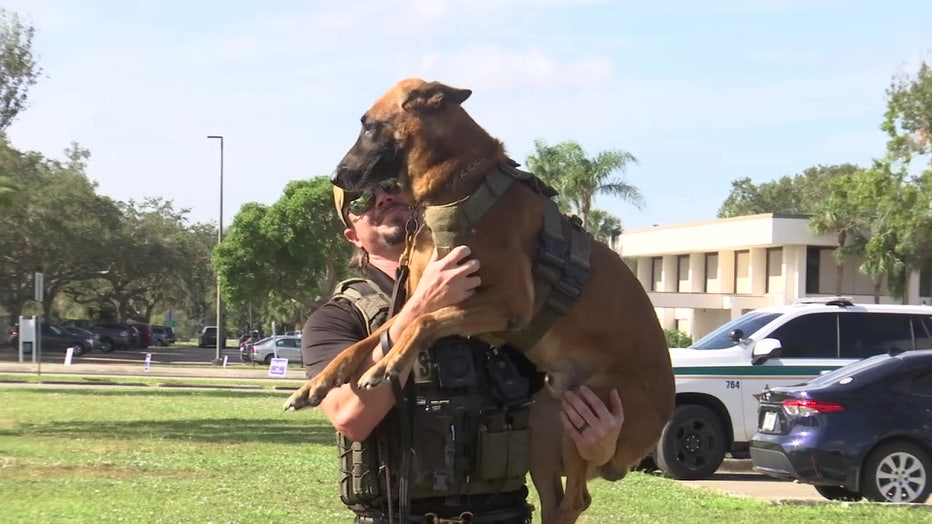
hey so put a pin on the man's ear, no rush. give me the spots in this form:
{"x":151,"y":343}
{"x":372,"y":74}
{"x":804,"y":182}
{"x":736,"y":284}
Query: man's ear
{"x":432,"y":96}
{"x":350,"y":234}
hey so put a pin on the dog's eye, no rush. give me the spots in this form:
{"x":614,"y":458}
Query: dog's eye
{"x":370,"y":127}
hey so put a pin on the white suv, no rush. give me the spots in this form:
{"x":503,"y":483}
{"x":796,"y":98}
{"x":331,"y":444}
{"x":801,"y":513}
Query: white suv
{"x":719,"y":377}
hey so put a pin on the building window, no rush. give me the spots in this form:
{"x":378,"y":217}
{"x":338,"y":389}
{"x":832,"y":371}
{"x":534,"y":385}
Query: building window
{"x":656,"y":274}
{"x":682,"y":273}
{"x":743,"y":272}
{"x":775,"y":278}
{"x":812,"y":269}
{"x":712,"y":284}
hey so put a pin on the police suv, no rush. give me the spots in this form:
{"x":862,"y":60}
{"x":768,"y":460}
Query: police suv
{"x":718,"y":377}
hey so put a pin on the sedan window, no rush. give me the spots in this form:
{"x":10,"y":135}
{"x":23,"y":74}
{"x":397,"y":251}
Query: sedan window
{"x":867,"y":334}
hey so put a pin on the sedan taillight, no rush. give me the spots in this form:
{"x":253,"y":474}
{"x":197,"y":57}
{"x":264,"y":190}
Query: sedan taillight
{"x":805,"y":408}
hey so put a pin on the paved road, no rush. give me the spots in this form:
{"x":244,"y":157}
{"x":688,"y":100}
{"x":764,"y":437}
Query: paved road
{"x":735,"y":477}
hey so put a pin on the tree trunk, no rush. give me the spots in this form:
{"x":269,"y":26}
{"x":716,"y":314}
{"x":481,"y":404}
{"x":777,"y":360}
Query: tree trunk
{"x":842,"y":239}
{"x":839,"y":273}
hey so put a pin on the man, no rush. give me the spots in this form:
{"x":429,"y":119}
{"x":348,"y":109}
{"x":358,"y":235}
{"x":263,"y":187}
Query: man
{"x":469,"y":413}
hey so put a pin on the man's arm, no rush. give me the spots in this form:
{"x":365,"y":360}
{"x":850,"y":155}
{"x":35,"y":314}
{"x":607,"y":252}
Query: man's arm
{"x":356,"y":412}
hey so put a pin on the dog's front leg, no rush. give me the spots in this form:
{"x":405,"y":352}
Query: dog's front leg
{"x":339,"y":371}
{"x":423,"y":331}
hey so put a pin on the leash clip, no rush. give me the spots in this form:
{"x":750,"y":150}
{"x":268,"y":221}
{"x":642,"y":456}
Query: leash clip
{"x":412,"y":226}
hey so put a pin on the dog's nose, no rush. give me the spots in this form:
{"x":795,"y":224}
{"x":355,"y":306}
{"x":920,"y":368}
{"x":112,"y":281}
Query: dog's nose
{"x":338,"y":177}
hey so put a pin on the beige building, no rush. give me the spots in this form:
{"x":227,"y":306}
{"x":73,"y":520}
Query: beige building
{"x":703,"y":274}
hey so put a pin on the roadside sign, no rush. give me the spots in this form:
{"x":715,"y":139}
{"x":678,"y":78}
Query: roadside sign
{"x":279,"y":367}
{"x":40,"y":286}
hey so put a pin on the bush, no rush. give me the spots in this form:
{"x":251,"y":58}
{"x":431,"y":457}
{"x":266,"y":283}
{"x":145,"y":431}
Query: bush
{"x":677,"y":338}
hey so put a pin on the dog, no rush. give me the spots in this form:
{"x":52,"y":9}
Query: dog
{"x":609,"y":338}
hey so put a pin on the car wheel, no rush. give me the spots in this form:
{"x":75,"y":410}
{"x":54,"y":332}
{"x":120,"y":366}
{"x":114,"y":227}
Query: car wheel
{"x":897,"y":472}
{"x":268,"y":359}
{"x":692,"y":444}
{"x":108,"y":345}
{"x":839,"y":493}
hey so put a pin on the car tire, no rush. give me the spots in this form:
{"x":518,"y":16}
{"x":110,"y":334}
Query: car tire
{"x":839,"y":493}
{"x":897,"y":472}
{"x":108,"y":345}
{"x":268,"y":359}
{"x":692,"y":444}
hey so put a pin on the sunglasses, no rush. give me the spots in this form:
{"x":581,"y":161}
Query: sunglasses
{"x":366,"y":199}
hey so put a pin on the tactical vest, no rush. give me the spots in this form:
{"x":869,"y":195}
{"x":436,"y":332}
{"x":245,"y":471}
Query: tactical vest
{"x":470,"y":420}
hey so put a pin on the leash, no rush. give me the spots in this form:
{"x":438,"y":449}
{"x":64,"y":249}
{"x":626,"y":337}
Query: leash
{"x":404,"y":404}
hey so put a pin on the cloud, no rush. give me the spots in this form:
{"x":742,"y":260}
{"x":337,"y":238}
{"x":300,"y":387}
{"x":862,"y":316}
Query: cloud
{"x":494,"y":68}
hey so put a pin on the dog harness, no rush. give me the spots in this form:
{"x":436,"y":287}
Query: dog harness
{"x":562,"y":265}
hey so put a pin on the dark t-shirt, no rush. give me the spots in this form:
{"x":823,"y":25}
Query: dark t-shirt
{"x":336,"y":326}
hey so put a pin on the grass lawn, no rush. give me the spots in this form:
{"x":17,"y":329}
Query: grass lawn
{"x":153,"y":454}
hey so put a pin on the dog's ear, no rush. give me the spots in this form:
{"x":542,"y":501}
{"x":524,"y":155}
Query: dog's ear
{"x":432,"y":96}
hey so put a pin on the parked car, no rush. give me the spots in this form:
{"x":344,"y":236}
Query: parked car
{"x":859,"y":431}
{"x":160,"y":336}
{"x":208,"y":338}
{"x":56,"y":338}
{"x":264,"y":350}
{"x":169,"y":334}
{"x":145,"y":334}
{"x":96,"y":344}
{"x":122,"y":336}
{"x":718,"y":376}
{"x":114,"y":335}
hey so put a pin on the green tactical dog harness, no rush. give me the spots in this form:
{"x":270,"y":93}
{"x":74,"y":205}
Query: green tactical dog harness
{"x":562,"y":266}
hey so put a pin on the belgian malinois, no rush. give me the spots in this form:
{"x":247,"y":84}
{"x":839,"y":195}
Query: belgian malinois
{"x":609,"y":338}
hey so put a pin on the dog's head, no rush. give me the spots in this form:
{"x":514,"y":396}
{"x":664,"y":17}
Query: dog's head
{"x":411,"y":121}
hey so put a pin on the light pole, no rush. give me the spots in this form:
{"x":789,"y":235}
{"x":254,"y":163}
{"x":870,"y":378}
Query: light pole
{"x":220,"y":334}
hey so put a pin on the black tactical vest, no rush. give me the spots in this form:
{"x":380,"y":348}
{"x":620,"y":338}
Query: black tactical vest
{"x":469,"y":416}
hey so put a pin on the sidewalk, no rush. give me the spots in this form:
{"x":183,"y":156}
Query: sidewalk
{"x":231,"y":372}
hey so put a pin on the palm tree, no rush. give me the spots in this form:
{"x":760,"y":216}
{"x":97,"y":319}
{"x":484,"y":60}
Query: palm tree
{"x":579,"y":178}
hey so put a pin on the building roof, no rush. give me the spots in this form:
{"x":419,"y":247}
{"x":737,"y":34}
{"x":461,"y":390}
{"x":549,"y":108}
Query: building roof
{"x":744,"y":232}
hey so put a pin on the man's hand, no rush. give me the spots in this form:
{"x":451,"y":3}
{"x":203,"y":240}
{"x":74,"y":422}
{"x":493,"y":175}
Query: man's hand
{"x":445,"y":281}
{"x":590,"y":423}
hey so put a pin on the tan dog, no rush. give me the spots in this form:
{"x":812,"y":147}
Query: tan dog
{"x":609,"y":338}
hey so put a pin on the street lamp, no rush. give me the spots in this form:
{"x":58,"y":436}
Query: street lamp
{"x":219,"y":358}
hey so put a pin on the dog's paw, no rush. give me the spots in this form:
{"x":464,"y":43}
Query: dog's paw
{"x":298,"y":400}
{"x":372,"y":378}
{"x":308,"y":395}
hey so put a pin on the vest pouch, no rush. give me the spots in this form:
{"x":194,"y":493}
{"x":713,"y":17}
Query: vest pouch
{"x":434,"y":456}
{"x":359,"y":471}
{"x":504,"y":446}
{"x":493,"y":448}
{"x":519,"y":445}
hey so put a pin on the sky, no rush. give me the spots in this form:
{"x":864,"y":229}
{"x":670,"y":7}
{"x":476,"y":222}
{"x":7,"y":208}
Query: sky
{"x":701,"y":93}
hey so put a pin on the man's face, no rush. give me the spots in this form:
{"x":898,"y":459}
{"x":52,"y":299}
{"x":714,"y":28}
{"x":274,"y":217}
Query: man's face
{"x":380,"y":229}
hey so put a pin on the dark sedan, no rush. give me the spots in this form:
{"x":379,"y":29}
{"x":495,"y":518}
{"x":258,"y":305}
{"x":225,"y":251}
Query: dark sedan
{"x":863,"y":430}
